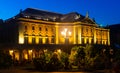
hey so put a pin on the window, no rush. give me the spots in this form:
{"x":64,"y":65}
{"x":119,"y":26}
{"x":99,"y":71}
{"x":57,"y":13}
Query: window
{"x":96,"y":41}
{"x":52,"y":29}
{"x":33,"y":28}
{"x":82,"y":30}
{"x":87,"y":40}
{"x":92,"y":41}
{"x":39,"y":28}
{"x":83,"y":41}
{"x":52,"y":40}
{"x":87,"y":29}
{"x":40,"y":40}
{"x":33,"y":40}
{"x":25,"y":27}
{"x":46,"y":40}
{"x":46,"y":29}
{"x":26,"y":40}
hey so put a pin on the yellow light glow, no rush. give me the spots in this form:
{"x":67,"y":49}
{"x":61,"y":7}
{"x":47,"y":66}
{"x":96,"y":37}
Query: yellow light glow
{"x":69,"y":33}
{"x":17,"y":56}
{"x":45,"y":50}
{"x":66,"y":33}
{"x":59,"y":50}
{"x":30,"y":51}
{"x":63,"y":33}
{"x":65,"y":29}
{"x":21,"y":40}
{"x":11,"y":52}
{"x":26,"y":56}
{"x":43,"y":40}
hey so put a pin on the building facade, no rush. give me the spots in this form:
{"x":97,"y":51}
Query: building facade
{"x":33,"y":29}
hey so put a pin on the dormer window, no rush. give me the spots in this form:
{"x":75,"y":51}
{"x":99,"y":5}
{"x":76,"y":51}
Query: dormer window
{"x":77,"y":17}
{"x":27,"y":16}
{"x":54,"y":18}
{"x":37,"y":17}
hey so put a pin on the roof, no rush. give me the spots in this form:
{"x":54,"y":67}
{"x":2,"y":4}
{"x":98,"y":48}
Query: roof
{"x":52,"y":16}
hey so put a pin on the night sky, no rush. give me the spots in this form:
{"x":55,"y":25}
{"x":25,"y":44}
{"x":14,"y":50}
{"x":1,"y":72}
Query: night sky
{"x":105,"y":12}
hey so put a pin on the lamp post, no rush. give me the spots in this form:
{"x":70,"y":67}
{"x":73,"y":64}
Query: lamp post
{"x":66,"y":35}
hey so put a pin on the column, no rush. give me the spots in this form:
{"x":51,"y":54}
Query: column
{"x":21,"y":35}
{"x":108,"y":35}
{"x":56,"y":34}
{"x":79,"y":35}
{"x":94,"y":36}
{"x":74,"y":30}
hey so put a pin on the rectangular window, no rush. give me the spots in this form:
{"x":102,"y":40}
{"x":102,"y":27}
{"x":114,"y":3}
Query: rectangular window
{"x":33,"y":28}
{"x":46,"y":29}
{"x":87,"y":40}
{"x":40,"y":29}
{"x":83,"y":41}
{"x":26,"y":40}
{"x":33,"y":40}
{"x":40,"y":40}
{"x":52,"y":41}
{"x":25,"y":27}
{"x":92,"y":41}
{"x":46,"y":40}
{"x":52,"y":29}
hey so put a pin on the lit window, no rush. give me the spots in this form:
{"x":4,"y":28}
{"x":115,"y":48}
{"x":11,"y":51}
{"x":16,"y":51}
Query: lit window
{"x":11,"y":52}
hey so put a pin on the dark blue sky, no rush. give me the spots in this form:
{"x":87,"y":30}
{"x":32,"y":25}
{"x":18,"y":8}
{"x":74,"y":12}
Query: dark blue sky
{"x":104,"y":11}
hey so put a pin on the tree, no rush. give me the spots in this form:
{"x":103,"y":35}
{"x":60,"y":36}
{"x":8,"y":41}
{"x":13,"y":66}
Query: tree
{"x":5,"y":60}
{"x":83,"y":57}
{"x":54,"y":64}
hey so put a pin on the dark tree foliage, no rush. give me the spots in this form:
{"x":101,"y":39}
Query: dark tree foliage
{"x":5,"y":60}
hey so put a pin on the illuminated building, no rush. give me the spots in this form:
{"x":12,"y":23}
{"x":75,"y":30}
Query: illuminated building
{"x":33,"y":29}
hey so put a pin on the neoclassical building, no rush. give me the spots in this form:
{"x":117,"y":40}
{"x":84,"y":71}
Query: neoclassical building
{"x":33,"y":29}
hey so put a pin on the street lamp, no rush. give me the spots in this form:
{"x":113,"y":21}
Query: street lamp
{"x":66,"y":35}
